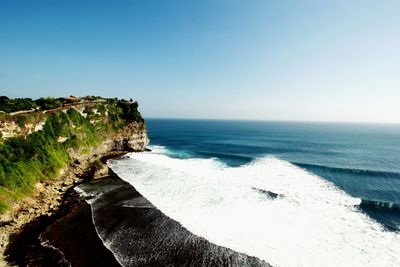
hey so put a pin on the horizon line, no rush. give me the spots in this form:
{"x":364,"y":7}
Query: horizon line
{"x":275,"y":120}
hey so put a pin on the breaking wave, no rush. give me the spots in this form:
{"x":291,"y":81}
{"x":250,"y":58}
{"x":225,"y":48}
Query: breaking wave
{"x":358,"y":172}
{"x":310,"y":223}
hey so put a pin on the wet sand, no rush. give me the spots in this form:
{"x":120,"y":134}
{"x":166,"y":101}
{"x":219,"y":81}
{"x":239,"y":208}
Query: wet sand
{"x":141,"y":235}
{"x":66,"y":238}
{"x":136,"y":232}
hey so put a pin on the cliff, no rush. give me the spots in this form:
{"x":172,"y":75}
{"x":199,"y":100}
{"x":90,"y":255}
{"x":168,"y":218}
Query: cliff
{"x":48,"y":152}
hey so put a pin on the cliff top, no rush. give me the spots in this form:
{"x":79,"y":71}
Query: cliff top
{"x":27,"y":105}
{"x":36,"y":144}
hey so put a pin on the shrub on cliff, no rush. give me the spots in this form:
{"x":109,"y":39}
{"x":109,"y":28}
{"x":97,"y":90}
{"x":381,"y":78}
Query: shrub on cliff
{"x":11,"y":105}
{"x":21,"y":120}
{"x":88,"y":111}
{"x":97,"y":165}
{"x":25,"y":161}
{"x":130,"y":111}
{"x":48,"y":103}
{"x":40,"y":155}
{"x":101,"y":109}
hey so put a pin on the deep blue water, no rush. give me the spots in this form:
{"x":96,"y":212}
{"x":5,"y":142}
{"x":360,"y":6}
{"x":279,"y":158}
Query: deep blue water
{"x":361,"y":159}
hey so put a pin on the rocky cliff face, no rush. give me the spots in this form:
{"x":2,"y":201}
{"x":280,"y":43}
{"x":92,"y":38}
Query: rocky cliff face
{"x":46,"y":195}
{"x":132,"y":138}
{"x":10,"y":128}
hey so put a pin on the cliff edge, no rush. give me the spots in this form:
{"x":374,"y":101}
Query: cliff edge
{"x":51,"y":151}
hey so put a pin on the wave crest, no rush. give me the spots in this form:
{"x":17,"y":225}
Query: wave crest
{"x":314,"y":224}
{"x":357,"y":172}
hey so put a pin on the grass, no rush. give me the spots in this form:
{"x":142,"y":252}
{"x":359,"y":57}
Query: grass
{"x":39,"y":156}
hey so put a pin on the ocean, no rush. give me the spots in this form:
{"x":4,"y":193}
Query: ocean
{"x":288,"y":193}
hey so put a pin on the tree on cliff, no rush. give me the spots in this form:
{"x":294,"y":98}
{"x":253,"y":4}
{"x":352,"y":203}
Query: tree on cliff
{"x":48,"y":103}
{"x":11,"y":105}
{"x":130,"y":111}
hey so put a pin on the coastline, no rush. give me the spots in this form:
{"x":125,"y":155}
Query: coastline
{"x":146,"y":237}
{"x":50,"y":201}
{"x":139,"y":234}
{"x":46,"y":196}
{"x":65,"y":238}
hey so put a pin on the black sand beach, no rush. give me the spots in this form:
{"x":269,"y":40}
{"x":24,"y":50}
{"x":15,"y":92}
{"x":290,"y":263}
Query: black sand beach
{"x":66,"y":238}
{"x":137,"y":233}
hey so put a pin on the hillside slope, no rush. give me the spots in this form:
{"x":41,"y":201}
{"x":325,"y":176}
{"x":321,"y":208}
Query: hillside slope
{"x":38,"y":146}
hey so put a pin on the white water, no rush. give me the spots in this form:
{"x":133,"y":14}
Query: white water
{"x":314,"y":224}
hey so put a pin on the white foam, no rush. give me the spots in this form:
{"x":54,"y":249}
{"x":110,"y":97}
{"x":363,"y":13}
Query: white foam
{"x":92,"y":194}
{"x":314,"y":224}
{"x":155,"y":149}
{"x":162,"y":150}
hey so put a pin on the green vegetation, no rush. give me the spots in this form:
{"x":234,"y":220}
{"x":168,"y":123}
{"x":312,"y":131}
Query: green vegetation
{"x":18,"y":104}
{"x":11,"y":105}
{"x":48,"y":103}
{"x":21,"y":120}
{"x":38,"y":156}
{"x":97,"y":165}
{"x":130,"y":110}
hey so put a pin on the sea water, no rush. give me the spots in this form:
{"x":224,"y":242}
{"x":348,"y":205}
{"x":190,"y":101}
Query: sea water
{"x":292,"y":194}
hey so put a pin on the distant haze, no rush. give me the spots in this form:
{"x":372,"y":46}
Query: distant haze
{"x":268,"y":60}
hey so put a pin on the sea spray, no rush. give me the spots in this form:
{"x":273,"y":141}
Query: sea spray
{"x":138,"y":234}
{"x":313,"y":224}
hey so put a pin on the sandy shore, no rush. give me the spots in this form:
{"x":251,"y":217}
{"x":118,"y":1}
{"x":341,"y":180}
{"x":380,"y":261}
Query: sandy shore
{"x":137,"y":233}
{"x":45,"y":202}
{"x":66,"y":238}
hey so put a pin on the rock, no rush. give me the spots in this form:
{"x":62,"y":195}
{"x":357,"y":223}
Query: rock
{"x":39,"y":187}
{"x":101,"y":171}
{"x":47,"y":195}
{"x":7,"y":217}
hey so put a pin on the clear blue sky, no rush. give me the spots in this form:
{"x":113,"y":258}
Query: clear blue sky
{"x":280,"y":60}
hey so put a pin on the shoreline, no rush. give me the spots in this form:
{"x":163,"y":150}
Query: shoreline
{"x":78,"y":233}
{"x":50,"y":200}
{"x":66,"y":238}
{"x":139,"y":234}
